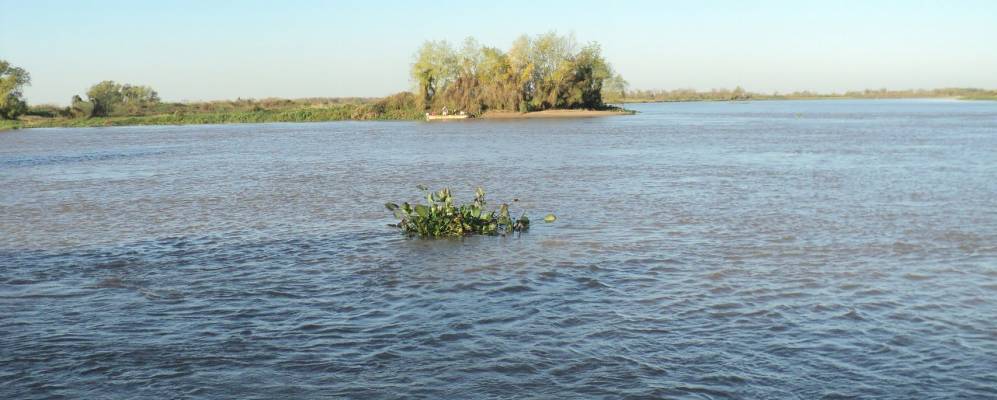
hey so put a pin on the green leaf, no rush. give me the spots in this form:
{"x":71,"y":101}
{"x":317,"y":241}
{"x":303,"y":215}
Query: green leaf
{"x":391,"y":206}
{"x":422,"y":210}
{"x":550,"y":218}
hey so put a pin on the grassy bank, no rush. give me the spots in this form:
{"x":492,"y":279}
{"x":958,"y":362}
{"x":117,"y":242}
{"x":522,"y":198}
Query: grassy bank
{"x":398,"y":107}
{"x":6,"y":124}
{"x":575,"y":113}
{"x":403,"y":106}
{"x":348,"y":112}
{"x":235,"y":112}
{"x":293,"y":115}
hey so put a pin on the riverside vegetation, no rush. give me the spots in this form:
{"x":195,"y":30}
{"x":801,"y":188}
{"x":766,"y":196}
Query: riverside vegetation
{"x":441,"y":218}
{"x":538,"y":73}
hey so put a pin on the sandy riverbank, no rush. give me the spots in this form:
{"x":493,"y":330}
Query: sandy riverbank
{"x":553,"y":114}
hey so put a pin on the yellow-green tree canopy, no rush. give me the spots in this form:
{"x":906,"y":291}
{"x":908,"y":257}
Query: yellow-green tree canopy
{"x":12,"y":82}
{"x":547,"y":71}
{"x":108,"y":96}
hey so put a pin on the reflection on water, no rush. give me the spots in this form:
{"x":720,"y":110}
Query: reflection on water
{"x":762,"y":250}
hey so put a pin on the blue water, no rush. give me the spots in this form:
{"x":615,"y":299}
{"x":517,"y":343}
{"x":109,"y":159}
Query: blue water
{"x":780,"y":249}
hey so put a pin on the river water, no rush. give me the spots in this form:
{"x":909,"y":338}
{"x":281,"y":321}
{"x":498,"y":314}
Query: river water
{"x":780,"y":249}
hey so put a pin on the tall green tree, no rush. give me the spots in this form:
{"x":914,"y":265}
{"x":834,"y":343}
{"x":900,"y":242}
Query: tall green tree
{"x":522,"y":72}
{"x":135,"y":98}
{"x":549,"y":55}
{"x":739,"y":94}
{"x":433,"y":70}
{"x":109,"y":97}
{"x":12,"y":82}
{"x":104,"y":96}
{"x":614,"y":89}
{"x":590,"y":74}
{"x":80,"y":108}
{"x":544,"y":72}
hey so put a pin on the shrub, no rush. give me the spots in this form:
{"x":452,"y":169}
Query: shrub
{"x":441,"y":218}
{"x":81,"y":109}
{"x":48,"y":111}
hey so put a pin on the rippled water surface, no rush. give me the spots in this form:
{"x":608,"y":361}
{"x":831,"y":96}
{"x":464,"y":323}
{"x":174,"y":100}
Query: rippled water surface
{"x":709,"y":250}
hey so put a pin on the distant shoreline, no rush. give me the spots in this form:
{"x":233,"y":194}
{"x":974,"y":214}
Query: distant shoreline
{"x":266,"y":116}
{"x":319,"y":115}
{"x":800,"y":99}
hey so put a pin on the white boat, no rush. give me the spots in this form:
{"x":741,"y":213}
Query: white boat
{"x":431,"y":117}
{"x":446,"y":115}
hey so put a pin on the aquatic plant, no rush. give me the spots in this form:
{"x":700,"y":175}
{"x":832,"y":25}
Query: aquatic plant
{"x":441,"y":218}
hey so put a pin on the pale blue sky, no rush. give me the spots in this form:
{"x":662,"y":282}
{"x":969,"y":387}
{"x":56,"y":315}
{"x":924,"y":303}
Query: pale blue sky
{"x":198,"y":50}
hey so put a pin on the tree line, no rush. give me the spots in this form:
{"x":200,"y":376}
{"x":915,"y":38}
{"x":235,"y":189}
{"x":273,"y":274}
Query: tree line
{"x":108,"y":97}
{"x":103,"y":99}
{"x":739,"y":94}
{"x":543,"y":72}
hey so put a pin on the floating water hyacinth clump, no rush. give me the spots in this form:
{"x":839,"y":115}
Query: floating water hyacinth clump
{"x":441,"y":218}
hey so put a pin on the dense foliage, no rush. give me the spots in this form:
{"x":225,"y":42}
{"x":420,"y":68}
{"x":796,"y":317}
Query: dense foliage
{"x":12,"y":82}
{"x":539,"y":73}
{"x":110,"y":98}
{"x":441,"y":218}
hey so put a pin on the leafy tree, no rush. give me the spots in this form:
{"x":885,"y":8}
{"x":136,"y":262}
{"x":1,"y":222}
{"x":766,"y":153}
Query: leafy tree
{"x":544,"y":72}
{"x":139,"y":95}
{"x":614,"y":89}
{"x":739,"y":94}
{"x":104,"y":96}
{"x":109,"y":97}
{"x":12,"y":82}
{"x":80,"y":108}
{"x":433,"y":69}
{"x":522,"y":72}
{"x":550,"y":56}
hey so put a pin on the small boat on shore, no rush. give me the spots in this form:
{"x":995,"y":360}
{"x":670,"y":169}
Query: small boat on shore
{"x":445,"y":115}
{"x":431,"y":117}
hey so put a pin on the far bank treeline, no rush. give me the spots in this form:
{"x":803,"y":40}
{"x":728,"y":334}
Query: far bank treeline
{"x":537,"y":73}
